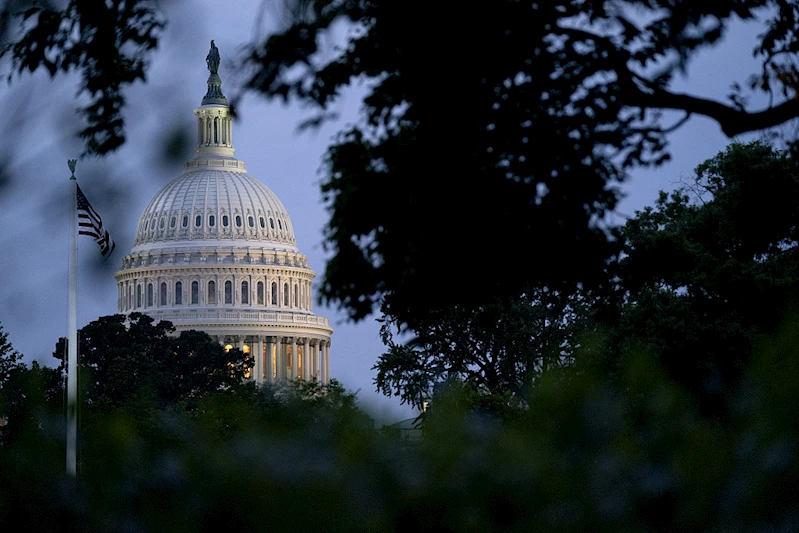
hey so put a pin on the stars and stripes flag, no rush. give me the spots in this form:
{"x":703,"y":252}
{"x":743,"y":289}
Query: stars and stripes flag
{"x":90,"y":223}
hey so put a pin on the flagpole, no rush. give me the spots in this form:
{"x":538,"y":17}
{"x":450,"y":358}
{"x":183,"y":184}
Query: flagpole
{"x":72,"y":327}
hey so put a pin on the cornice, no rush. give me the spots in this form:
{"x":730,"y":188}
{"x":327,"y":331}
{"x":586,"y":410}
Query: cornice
{"x":208,"y":318}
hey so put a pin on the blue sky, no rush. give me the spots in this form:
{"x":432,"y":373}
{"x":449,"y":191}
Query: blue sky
{"x":34,"y":192}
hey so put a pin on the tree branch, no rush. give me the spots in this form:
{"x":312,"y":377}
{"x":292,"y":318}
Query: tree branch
{"x":732,"y":121}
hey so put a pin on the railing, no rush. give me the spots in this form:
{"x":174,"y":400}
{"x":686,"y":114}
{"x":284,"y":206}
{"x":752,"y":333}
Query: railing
{"x":237,"y":316}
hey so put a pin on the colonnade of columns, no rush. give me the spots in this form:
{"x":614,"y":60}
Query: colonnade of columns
{"x":214,"y":130}
{"x":285,"y":358}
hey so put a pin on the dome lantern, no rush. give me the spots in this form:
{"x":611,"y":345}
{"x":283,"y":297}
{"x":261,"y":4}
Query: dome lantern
{"x":214,"y":121}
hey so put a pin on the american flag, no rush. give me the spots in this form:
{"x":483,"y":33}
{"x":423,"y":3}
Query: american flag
{"x":90,"y":223}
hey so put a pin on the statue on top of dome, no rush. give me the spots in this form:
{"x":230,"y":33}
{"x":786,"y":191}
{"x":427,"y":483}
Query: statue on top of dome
{"x":213,"y":58}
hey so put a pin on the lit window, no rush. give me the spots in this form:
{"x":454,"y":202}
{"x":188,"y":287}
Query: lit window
{"x":185,"y":221}
{"x":211,"y":292}
{"x":245,"y":292}
{"x":225,"y":220}
{"x":162,"y":295}
{"x":149,"y":294}
{"x":274,"y":293}
{"x":228,"y":292}
{"x":195,"y":292}
{"x":178,"y":293}
{"x":260,"y":291}
{"x":211,"y":221}
{"x":228,"y":347}
{"x":198,"y":220}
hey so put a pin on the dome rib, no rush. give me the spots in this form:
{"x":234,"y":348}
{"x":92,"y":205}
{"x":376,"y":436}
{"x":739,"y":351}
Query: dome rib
{"x":210,"y":190}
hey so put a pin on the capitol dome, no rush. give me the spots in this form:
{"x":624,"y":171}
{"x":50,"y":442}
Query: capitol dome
{"x":216,"y":200}
{"x":215,"y":251}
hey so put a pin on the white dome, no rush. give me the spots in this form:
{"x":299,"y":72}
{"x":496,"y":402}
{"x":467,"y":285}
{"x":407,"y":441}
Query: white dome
{"x":205,"y":203}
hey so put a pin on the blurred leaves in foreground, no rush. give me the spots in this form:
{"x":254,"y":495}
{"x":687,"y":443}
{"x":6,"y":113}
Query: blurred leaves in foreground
{"x":632,"y":453}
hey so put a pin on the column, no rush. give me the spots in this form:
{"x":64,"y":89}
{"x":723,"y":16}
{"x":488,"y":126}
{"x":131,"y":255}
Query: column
{"x":281,"y":359}
{"x":306,"y":360}
{"x":294,"y":358}
{"x":269,"y":366}
{"x":240,"y":346}
{"x":325,"y":362}
{"x":315,"y":363}
{"x":259,"y":361}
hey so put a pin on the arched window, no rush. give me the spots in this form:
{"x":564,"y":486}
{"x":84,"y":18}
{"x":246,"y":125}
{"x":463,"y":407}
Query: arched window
{"x":146,"y":225}
{"x":162,"y":295}
{"x":272,"y":223}
{"x":149,"y":295}
{"x":211,"y":221}
{"x":130,"y":297}
{"x":162,"y":224}
{"x":211,"y":293}
{"x":225,"y":220}
{"x":238,"y":220}
{"x":178,"y":293}
{"x":185,"y":221}
{"x":279,"y":224}
{"x":195,"y":292}
{"x":228,"y":292}
{"x":198,"y":220}
{"x":274,"y":293}
{"x":261,"y":220}
{"x":138,"y":295}
{"x":251,"y":221}
{"x":173,"y":222}
{"x":259,"y":289}
{"x":296,"y":297}
{"x":286,"y":300}
{"x":245,"y":292}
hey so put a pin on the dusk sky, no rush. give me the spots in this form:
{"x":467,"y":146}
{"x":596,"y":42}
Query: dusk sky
{"x":39,"y":125}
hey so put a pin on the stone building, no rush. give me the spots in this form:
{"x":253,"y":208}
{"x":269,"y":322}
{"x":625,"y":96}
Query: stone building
{"x":215,"y":251}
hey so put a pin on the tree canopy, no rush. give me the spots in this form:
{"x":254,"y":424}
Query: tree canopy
{"x":710,"y":271}
{"x":499,"y":132}
{"x":502,"y":135}
{"x":139,"y":363}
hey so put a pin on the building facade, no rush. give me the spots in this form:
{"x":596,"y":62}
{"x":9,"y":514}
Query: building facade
{"x":215,"y":251}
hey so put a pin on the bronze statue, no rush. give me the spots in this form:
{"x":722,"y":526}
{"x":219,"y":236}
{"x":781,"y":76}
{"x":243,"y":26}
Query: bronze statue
{"x":213,"y":58}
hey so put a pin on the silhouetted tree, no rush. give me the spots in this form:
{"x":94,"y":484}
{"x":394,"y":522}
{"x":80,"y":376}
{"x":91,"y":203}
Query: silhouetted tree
{"x":493,"y":135}
{"x":498,"y":351}
{"x":711,"y":269}
{"x":140,"y":365}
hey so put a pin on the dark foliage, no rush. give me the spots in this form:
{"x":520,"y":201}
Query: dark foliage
{"x":589,"y":454}
{"x":710,"y":269}
{"x":497,"y":351}
{"x":493,"y":135}
{"x":140,"y":365}
{"x":109,"y":43}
